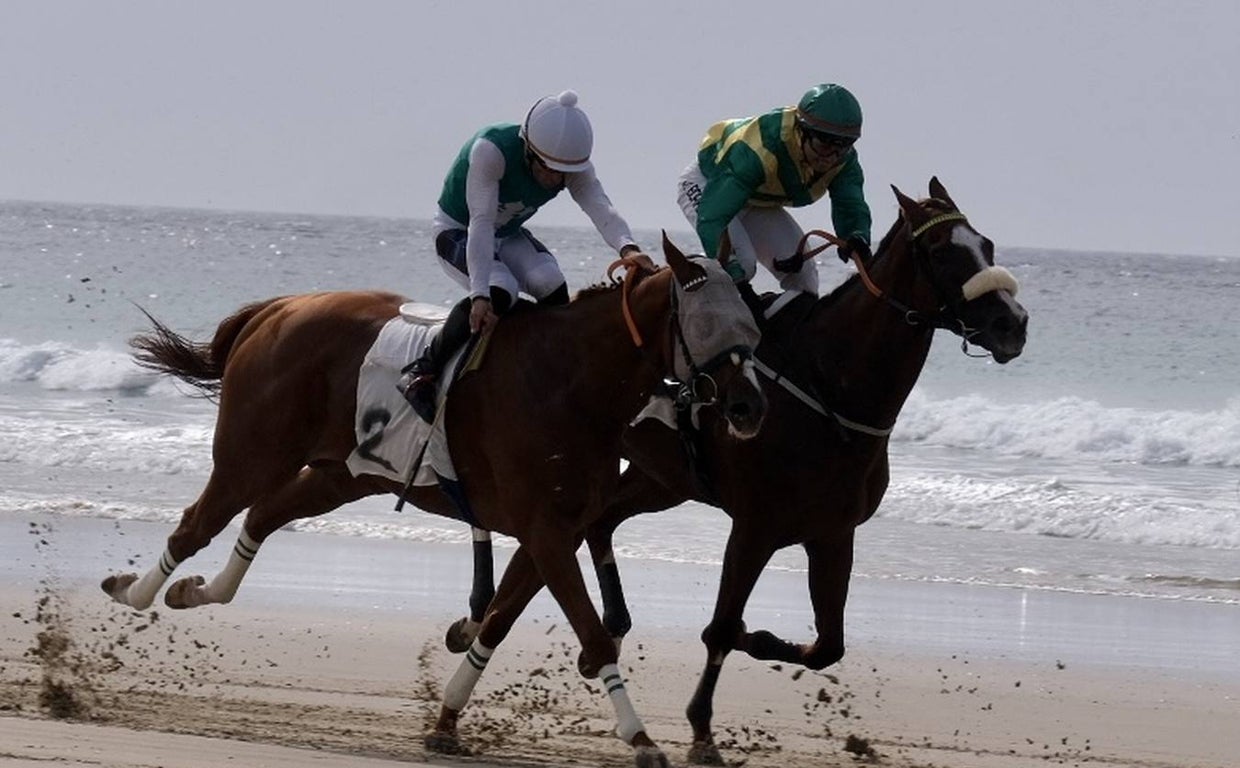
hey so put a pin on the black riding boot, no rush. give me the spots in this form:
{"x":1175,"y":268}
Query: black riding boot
{"x":419,"y":379}
{"x":753,"y":301}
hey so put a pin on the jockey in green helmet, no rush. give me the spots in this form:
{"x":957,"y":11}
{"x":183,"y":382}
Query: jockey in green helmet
{"x":748,"y":170}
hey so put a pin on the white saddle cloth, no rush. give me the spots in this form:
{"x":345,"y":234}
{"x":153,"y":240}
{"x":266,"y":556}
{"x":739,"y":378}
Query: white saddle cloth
{"x":390,"y":436}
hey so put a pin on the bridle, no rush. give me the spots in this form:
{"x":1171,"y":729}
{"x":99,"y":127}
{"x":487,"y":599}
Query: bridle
{"x":940,"y":318}
{"x":701,"y":387}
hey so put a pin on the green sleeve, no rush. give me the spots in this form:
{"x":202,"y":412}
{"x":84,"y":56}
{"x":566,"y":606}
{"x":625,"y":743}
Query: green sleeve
{"x":850,"y":215}
{"x":724,"y":197}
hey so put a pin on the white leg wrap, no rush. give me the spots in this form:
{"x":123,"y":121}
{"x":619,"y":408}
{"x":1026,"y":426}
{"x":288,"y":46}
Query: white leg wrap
{"x":142,"y":592}
{"x":627,"y":723}
{"x":481,"y":534}
{"x":461,"y":686}
{"x":224,"y":586}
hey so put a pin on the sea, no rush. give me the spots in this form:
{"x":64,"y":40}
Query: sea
{"x":1103,"y":461}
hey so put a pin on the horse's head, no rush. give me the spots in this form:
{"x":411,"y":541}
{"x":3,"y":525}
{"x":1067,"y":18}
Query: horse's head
{"x":976,"y":298}
{"x":714,"y":335}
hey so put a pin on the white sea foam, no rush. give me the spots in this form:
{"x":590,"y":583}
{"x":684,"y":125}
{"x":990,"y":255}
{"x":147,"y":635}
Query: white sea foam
{"x":57,"y":366}
{"x":105,"y":443}
{"x":1052,"y":508}
{"x":1070,"y":427}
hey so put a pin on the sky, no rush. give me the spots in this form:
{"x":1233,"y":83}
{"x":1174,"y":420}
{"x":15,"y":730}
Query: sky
{"x":1097,"y":126}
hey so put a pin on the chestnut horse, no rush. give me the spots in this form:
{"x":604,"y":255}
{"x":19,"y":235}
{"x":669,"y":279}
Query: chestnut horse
{"x":534,"y":436}
{"x":837,"y":372}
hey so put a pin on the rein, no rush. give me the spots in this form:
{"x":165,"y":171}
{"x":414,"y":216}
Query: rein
{"x":632,"y":266}
{"x":911,"y":316}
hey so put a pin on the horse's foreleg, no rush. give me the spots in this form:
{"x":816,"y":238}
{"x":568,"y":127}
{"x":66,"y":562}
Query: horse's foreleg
{"x":616,"y":616}
{"x":518,"y":586}
{"x":746,"y":555}
{"x":465,"y":629}
{"x":557,"y":564}
{"x":638,"y":493}
{"x":830,"y":568}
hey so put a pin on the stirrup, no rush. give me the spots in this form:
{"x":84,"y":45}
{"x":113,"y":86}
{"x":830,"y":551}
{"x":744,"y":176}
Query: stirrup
{"x":420,"y":392}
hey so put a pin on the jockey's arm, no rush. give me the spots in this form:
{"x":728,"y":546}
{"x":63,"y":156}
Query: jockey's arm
{"x":850,"y":214}
{"x":723,"y":197}
{"x":587,"y":191}
{"x":486,"y":168}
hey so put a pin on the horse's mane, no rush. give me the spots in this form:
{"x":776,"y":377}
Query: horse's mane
{"x":608,"y":287}
{"x":883,"y":244}
{"x":596,"y":289}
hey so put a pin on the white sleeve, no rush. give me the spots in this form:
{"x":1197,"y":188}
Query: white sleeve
{"x":587,"y":190}
{"x":486,"y":168}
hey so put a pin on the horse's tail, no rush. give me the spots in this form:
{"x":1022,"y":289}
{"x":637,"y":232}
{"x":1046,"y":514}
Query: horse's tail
{"x":199,"y":364}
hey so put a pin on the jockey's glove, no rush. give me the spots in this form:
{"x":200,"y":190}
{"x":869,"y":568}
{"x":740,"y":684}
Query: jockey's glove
{"x":855,"y":245}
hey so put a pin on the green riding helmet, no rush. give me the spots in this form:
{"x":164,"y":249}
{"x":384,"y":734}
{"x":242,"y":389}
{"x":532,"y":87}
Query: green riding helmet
{"x":829,"y":108}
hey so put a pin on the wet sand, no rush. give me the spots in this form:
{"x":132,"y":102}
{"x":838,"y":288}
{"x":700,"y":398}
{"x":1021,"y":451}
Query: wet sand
{"x":318,"y":663}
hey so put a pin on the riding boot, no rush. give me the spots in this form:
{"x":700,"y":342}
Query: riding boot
{"x":753,"y":301}
{"x":418,"y":382}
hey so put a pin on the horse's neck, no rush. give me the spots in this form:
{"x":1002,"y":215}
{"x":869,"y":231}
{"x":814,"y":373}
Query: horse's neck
{"x":600,"y":324}
{"x":866,"y":350}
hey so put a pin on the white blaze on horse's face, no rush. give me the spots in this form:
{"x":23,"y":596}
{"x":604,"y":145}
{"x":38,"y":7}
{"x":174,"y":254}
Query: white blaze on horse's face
{"x":714,"y":319}
{"x":988,"y":277}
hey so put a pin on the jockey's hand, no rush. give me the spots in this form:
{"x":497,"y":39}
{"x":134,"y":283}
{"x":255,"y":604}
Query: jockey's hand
{"x":855,"y":245}
{"x":635,"y":252}
{"x":792,"y":263}
{"x":481,"y":316}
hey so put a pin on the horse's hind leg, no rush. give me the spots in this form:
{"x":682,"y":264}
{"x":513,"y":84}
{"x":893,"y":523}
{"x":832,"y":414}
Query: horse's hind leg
{"x":200,"y":522}
{"x":314,"y":491}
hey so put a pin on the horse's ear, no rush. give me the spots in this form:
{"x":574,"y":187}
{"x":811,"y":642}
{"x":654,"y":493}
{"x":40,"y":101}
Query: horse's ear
{"x":913,"y":212}
{"x":690,"y":276}
{"x":939,"y":192}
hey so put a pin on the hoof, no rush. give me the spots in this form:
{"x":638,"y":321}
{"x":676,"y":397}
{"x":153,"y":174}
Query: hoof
{"x":185,"y":593}
{"x":705,"y":753}
{"x":584,"y":668}
{"x":650,"y":757}
{"x":460,"y":635}
{"x":444,"y":743}
{"x":117,"y":586}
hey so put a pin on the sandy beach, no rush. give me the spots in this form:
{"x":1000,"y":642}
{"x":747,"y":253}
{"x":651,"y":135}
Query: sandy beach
{"x":347,"y":670}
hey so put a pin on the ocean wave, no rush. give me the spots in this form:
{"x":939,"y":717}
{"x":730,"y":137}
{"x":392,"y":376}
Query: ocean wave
{"x":1075,"y":428}
{"x":1062,"y":428}
{"x":103,"y":443}
{"x":1055,"y":508}
{"x":58,"y":366}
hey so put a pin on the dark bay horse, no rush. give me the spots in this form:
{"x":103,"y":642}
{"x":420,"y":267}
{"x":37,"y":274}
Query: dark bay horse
{"x":535,"y":439}
{"x":837,"y":371}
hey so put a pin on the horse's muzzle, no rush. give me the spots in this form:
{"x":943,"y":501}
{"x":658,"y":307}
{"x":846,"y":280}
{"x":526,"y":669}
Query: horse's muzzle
{"x":744,"y":405}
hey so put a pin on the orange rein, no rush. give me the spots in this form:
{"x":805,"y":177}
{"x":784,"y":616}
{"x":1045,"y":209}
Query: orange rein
{"x":633,"y":266}
{"x":838,"y":242}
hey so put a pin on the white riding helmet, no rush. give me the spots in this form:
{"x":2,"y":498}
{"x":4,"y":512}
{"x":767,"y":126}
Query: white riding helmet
{"x":559,"y":133}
